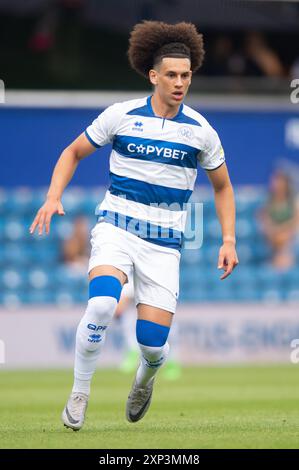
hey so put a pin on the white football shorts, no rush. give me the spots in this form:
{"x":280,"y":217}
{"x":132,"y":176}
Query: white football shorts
{"x":155,"y":268}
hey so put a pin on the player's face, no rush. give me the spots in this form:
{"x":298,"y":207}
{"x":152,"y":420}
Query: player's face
{"x":172,"y":79}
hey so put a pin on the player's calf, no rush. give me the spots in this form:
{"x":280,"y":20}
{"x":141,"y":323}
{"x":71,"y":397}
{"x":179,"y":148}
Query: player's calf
{"x":152,"y":339}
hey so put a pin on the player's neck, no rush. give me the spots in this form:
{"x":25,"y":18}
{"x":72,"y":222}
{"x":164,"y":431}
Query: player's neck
{"x":162,"y":109}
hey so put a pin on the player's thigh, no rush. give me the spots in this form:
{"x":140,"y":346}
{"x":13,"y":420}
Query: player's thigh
{"x":156,"y":282}
{"x":109,"y":255}
{"x":154,"y":314}
{"x":108,"y":270}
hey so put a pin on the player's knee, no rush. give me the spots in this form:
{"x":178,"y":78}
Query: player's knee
{"x":104,"y":294}
{"x":101,"y":309}
{"x":151,"y":334}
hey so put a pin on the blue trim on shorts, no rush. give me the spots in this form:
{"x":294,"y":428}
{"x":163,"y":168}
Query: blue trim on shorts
{"x":105,"y":286}
{"x":150,"y":333}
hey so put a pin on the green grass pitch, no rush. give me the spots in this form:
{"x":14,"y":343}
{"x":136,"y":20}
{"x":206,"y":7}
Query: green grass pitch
{"x":208,"y":407}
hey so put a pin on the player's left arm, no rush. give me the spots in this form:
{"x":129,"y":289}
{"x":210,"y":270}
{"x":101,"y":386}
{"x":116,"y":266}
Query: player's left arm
{"x":225,"y":207}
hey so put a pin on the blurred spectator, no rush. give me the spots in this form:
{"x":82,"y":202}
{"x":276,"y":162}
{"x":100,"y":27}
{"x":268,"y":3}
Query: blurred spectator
{"x":223,"y":60}
{"x":280,"y":221}
{"x":75,"y":249}
{"x":260,"y":58}
{"x":229,"y":55}
{"x":56,"y":15}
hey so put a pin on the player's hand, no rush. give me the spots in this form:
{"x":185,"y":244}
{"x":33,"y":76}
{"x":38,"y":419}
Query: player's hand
{"x":44,"y":215}
{"x":228,"y":259}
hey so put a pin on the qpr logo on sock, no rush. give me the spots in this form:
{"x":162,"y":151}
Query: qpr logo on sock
{"x":185,"y":133}
{"x":92,"y":326}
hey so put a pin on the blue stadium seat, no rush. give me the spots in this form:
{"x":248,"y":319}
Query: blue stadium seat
{"x":292,"y":295}
{"x":191,"y":257}
{"x":39,"y":279}
{"x":12,"y":279}
{"x":11,"y":300}
{"x":70,"y":280}
{"x":291,"y":278}
{"x":61,"y":228}
{"x":38,"y":297}
{"x":14,"y":255}
{"x":64,"y":298}
{"x":14,"y":229}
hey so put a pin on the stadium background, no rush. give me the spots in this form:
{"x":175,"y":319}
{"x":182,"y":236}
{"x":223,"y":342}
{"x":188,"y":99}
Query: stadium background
{"x":62,"y":63}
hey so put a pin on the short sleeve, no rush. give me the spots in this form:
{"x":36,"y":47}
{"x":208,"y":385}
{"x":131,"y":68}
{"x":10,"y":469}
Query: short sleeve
{"x":103,"y":128}
{"x":213,"y":154}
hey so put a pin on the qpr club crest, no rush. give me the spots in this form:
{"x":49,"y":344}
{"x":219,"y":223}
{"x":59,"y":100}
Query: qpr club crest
{"x":185,"y":133}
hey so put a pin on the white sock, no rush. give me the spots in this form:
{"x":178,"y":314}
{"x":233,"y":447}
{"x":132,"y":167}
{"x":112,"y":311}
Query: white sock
{"x":152,"y":358}
{"x":82,"y":386}
{"x":90,"y":338}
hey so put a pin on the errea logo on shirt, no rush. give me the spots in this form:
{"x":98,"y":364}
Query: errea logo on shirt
{"x":138,"y":126}
{"x":159,"y":151}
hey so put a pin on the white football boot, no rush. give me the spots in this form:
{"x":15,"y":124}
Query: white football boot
{"x":73,"y":414}
{"x":139,"y":401}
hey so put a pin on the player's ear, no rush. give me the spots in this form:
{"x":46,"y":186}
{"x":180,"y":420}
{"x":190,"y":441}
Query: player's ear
{"x":153,"y":77}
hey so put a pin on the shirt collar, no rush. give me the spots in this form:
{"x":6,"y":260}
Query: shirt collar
{"x":151,"y":111}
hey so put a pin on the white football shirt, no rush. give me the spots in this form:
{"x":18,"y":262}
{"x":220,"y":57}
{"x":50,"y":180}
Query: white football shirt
{"x":153,"y":167}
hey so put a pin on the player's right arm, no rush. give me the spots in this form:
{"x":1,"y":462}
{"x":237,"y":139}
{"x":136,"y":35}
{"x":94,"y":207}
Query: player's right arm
{"x":62,"y":175}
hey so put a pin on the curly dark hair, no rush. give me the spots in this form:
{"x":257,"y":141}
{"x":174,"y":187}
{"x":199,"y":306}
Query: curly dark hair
{"x":150,"y":41}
